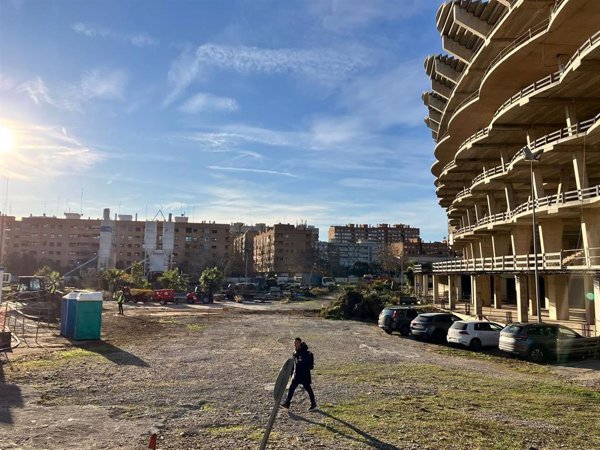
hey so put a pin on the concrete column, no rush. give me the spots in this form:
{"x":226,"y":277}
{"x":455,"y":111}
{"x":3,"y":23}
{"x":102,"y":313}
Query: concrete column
{"x":588,"y":287}
{"x":522,"y":300}
{"x":551,"y":235}
{"x":476,"y":295}
{"x":533,"y":306}
{"x":451,"y":291}
{"x":596,"y":283}
{"x":484,"y":287}
{"x":479,"y":212}
{"x":491,"y":204}
{"x":510,"y":197}
{"x":468,"y":216}
{"x":521,"y":239}
{"x":498,"y":291}
{"x":436,"y":281}
{"x":538,"y":182}
{"x":557,"y":297}
{"x":571,"y":115}
{"x":501,"y":244}
{"x":486,"y":248}
{"x":564,"y":182}
{"x":581,"y":179}
{"x":591,"y":235}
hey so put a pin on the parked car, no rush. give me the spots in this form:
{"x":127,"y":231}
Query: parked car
{"x":397,"y":318}
{"x":474,"y":334}
{"x":541,"y":342}
{"x":432,"y":326}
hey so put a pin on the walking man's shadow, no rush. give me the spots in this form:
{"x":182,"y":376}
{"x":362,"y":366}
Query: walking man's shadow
{"x":365,"y":438}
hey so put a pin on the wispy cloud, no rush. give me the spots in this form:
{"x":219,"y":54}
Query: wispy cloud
{"x":204,"y":102}
{"x":37,"y":91}
{"x":137,"y":39}
{"x":345,"y":15}
{"x":243,"y":169}
{"x":7,"y":83}
{"x":45,"y":152}
{"x":323,"y":65}
{"x":95,"y":84}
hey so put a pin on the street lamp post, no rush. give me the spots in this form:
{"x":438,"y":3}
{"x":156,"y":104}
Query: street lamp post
{"x":531,"y":157}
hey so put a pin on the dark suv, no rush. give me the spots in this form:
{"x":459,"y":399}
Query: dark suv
{"x":541,"y":342}
{"x":432,"y":325}
{"x":397,"y":318}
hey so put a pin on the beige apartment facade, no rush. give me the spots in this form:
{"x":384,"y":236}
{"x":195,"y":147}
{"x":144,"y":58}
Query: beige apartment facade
{"x":66,"y":243}
{"x":381,"y":233}
{"x":514,"y":111}
{"x":285,"y":248}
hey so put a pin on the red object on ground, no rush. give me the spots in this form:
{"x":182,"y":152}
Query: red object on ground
{"x":152,"y":443}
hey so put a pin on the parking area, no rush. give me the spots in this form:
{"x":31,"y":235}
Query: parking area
{"x":202,"y":377}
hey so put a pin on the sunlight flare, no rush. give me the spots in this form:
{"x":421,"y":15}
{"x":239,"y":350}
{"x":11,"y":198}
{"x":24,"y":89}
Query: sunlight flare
{"x":7,"y":140}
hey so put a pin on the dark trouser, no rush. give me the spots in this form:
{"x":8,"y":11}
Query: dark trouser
{"x":307,"y":388}
{"x":120,"y":308}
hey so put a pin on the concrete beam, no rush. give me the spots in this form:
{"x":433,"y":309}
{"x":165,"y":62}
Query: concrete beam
{"x":434,"y":102}
{"x":458,"y":50}
{"x":441,"y":89}
{"x":446,"y":71}
{"x":471,"y":23}
{"x":432,"y":125}
{"x":434,"y":115}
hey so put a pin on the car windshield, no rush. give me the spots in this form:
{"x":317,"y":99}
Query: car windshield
{"x":423,"y":318}
{"x":459,"y":326}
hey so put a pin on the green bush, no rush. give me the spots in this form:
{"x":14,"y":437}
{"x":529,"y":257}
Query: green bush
{"x":356,"y":304}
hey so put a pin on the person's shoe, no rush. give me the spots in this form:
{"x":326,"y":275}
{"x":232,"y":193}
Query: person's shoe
{"x":286,"y":405}
{"x":312,"y":407}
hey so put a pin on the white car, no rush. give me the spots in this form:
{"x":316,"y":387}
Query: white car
{"x":475,"y":334}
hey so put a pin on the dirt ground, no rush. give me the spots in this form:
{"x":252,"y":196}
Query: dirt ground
{"x":203,"y":377}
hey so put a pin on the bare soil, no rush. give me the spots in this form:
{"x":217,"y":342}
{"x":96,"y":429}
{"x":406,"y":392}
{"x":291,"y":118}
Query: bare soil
{"x":202,"y":377}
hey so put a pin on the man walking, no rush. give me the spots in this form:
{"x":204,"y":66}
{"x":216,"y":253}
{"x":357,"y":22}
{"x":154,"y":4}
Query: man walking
{"x":303,"y":364}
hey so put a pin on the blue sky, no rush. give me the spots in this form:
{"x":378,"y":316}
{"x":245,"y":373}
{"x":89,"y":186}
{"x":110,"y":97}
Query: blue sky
{"x":251,"y":111}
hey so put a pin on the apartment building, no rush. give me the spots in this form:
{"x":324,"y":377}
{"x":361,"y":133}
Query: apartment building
{"x":285,"y":248}
{"x":243,"y":251}
{"x":514,"y":113}
{"x":347,"y":253}
{"x":382,"y":233}
{"x":65,"y":243}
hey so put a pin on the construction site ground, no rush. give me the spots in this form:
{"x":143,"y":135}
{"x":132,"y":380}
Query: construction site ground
{"x":202,"y":376}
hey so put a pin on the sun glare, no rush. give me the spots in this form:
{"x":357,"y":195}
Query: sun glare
{"x":6,"y":139}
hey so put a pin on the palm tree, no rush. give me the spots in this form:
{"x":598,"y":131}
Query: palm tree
{"x":174,"y":279}
{"x":211,"y":280}
{"x":114,"y":278}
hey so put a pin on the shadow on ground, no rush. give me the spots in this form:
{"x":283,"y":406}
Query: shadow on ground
{"x":113,"y":353}
{"x":365,"y":438}
{"x":10,"y":397}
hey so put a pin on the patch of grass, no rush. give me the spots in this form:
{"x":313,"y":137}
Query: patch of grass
{"x":59,"y":358}
{"x":227,"y":430}
{"x":512,"y":363}
{"x":457,"y":409}
{"x":196,"y":326}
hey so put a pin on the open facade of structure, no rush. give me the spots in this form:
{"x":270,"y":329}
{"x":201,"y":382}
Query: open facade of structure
{"x":514,"y":111}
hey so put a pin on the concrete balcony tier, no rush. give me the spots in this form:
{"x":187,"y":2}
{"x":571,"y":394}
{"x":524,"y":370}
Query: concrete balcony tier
{"x":554,"y":35}
{"x":556,"y":204}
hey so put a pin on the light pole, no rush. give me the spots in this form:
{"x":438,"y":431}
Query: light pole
{"x":528,"y":155}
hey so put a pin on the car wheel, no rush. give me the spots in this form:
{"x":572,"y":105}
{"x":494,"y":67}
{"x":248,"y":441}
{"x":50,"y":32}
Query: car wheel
{"x":388,"y":331}
{"x":162,"y":302}
{"x":404,"y":330}
{"x":475,"y":345}
{"x":537,"y":355}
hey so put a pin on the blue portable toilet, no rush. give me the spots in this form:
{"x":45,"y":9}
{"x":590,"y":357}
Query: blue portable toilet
{"x":67,"y":314}
{"x":88,"y":316}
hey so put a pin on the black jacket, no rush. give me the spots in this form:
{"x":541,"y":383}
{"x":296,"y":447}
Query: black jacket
{"x":301,"y":365}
